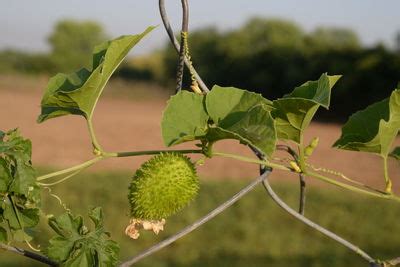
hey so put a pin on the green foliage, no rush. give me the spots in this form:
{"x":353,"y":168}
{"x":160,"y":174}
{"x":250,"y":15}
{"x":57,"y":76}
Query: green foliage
{"x":323,"y":39}
{"x":245,"y":116}
{"x":374,"y":128}
{"x":260,"y":34}
{"x":294,"y":112}
{"x":78,"y":93}
{"x":22,"y":62}
{"x":76,"y":245}
{"x":72,"y":41}
{"x":19,"y":192}
{"x":241,"y":115}
{"x":184,"y":118}
{"x":162,"y":186}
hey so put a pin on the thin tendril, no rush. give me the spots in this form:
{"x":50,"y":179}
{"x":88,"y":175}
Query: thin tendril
{"x":344,"y":177}
{"x":62,"y":204}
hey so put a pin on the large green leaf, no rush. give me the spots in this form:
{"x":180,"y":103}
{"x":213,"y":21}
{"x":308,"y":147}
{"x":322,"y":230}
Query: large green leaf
{"x":76,"y":245}
{"x":374,"y":128}
{"x":226,"y":105}
{"x":226,"y":113}
{"x":3,"y":235}
{"x":5,"y":176}
{"x":20,"y":194}
{"x":78,"y":93}
{"x":294,"y":112}
{"x":184,"y":119}
{"x":242,"y":115}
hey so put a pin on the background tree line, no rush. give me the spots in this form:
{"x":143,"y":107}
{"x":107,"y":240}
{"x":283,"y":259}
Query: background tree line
{"x":268,"y":56}
{"x":271,"y":57}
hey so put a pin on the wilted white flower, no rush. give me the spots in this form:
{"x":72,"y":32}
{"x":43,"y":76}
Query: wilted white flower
{"x":132,"y":230}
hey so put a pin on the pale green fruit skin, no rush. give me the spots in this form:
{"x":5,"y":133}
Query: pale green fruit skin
{"x":162,"y":186}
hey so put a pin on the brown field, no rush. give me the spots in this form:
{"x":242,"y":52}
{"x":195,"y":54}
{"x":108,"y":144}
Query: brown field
{"x":128,"y":118}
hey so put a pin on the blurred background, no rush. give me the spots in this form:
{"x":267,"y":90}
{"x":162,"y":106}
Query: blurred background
{"x":267,"y":47}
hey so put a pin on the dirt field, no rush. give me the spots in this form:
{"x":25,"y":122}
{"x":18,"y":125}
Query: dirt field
{"x":124,"y":123}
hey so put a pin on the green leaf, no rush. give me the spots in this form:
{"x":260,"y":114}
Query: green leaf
{"x":242,"y":115}
{"x":17,"y":160}
{"x":226,"y":105}
{"x":184,"y":119}
{"x":3,"y":235}
{"x":27,"y":217}
{"x":5,"y":176}
{"x":374,"y":128}
{"x":395,"y":153}
{"x":78,"y":93}
{"x":256,"y":127}
{"x":76,"y":245}
{"x":96,"y":215}
{"x":20,"y":199}
{"x":294,"y":112}
{"x":234,"y":113}
{"x":20,"y":236}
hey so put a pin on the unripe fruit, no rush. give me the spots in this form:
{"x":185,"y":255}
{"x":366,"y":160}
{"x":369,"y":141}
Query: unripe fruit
{"x":162,"y":186}
{"x":310,"y":148}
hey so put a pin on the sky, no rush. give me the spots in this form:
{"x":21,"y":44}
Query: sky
{"x":25,"y":24}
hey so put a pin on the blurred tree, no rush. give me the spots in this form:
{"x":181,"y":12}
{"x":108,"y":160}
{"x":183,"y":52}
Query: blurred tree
{"x":397,"y":46}
{"x":260,"y":34}
{"x":19,"y":61}
{"x":72,"y":43}
{"x":323,"y":39}
{"x":273,"y":56}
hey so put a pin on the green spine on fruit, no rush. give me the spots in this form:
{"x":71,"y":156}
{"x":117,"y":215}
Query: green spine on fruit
{"x":162,"y":186}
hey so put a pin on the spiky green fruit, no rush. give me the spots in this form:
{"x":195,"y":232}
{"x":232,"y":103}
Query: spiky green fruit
{"x":162,"y":186}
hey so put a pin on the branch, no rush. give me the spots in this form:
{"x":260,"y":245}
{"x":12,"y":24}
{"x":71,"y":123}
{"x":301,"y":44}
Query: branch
{"x":315,"y":226}
{"x":198,"y":223}
{"x":302,"y":204}
{"x":29,"y":254}
{"x":394,"y":262}
{"x":184,"y":31}
{"x":289,"y":150}
{"x":175,"y":43}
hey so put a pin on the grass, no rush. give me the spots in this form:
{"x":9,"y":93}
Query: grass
{"x":254,"y":232}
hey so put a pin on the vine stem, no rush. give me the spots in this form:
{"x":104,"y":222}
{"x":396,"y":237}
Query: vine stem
{"x":353,"y":188}
{"x":302,"y":178}
{"x":95,"y":143}
{"x":311,"y":174}
{"x":315,"y":226}
{"x":182,"y":49}
{"x":176,"y":45}
{"x":81,"y":166}
{"x":250,"y":160}
{"x":198,"y":223}
{"x":28,"y":254}
{"x":77,"y":168}
{"x":154,"y":152}
{"x":388,"y":182}
{"x":302,"y":202}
